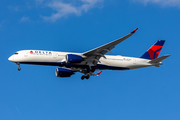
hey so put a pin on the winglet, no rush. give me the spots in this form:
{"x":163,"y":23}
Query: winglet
{"x":134,"y":30}
{"x":99,"y":73}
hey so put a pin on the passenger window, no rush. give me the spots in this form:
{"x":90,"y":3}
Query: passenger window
{"x":16,"y":53}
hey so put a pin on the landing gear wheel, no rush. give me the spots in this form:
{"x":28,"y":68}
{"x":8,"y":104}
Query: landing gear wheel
{"x":87,"y":77}
{"x":82,"y":78}
{"x":18,"y":66}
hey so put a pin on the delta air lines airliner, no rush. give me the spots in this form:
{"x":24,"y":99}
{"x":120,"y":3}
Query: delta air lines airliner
{"x":90,"y":61}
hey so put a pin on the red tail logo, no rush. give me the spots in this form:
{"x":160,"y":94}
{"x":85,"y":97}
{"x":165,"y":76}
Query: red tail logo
{"x":154,"y":51}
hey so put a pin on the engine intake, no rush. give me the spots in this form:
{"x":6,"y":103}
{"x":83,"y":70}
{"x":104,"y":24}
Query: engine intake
{"x":63,"y":72}
{"x":71,"y":58}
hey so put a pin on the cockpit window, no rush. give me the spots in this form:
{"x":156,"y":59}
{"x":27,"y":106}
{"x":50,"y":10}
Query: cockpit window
{"x":16,"y":53}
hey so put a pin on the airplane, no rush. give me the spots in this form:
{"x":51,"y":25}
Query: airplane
{"x":90,"y":61}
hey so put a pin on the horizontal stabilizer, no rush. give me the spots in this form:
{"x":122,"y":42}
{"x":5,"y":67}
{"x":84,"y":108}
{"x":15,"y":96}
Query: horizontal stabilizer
{"x":157,"y":60}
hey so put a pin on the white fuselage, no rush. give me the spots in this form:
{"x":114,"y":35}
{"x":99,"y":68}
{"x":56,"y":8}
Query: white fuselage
{"x":40,"y":57}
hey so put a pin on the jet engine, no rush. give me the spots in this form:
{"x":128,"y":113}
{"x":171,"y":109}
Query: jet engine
{"x":72,"y":58}
{"x":63,"y":72}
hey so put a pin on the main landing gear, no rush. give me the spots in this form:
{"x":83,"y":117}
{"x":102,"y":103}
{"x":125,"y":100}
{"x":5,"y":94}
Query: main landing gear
{"x":87,"y":77}
{"x":19,"y":68}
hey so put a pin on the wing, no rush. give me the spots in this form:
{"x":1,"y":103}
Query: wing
{"x":93,"y":56}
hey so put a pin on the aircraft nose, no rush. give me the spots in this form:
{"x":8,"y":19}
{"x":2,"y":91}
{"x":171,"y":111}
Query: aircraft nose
{"x":11,"y":58}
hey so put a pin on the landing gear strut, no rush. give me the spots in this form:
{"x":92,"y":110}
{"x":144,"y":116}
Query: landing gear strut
{"x":87,"y":77}
{"x":19,"y":68}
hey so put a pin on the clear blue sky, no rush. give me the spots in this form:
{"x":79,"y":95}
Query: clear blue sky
{"x":35,"y":93}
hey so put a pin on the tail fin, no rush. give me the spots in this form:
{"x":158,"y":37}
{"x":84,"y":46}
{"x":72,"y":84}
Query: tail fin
{"x":154,"y":51}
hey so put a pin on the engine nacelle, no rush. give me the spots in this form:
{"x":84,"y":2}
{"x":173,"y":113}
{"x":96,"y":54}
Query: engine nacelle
{"x":63,"y":72}
{"x":71,"y":58}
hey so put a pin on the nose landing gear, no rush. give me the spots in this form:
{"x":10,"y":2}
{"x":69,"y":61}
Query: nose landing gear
{"x":19,"y":68}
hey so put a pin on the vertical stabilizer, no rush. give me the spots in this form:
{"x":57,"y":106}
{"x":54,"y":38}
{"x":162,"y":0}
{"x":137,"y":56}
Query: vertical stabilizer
{"x":154,"y":51}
